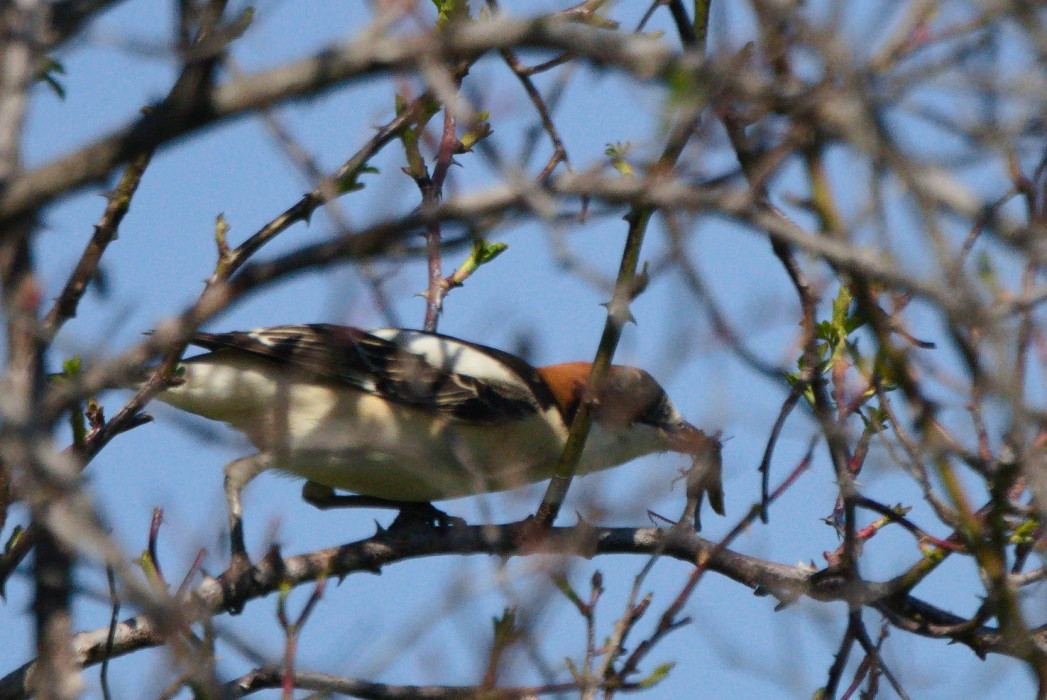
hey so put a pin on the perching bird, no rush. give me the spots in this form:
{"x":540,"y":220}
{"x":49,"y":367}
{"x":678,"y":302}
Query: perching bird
{"x":412,"y":416}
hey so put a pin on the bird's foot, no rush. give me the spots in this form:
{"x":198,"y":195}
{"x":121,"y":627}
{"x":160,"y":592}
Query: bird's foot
{"x":236,"y":582}
{"x":412,"y":514}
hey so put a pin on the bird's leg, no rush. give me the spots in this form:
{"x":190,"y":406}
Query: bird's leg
{"x":411,"y":512}
{"x":325,"y":498}
{"x":238,"y":474}
{"x":425,"y":513}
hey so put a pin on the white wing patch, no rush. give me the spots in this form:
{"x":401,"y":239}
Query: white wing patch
{"x":450,"y":355}
{"x":454,"y":379}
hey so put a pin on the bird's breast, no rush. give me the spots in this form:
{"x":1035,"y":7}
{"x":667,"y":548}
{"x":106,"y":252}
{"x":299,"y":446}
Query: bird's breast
{"x":353,"y":440}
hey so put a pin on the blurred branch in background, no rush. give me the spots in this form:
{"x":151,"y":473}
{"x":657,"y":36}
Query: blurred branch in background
{"x":852,"y":197}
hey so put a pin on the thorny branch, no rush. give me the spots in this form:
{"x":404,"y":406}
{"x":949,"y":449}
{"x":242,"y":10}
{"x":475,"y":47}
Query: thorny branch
{"x":786,"y":583}
{"x":866,"y":379}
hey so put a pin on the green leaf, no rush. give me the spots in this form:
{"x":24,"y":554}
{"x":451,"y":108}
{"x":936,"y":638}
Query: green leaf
{"x":841,"y":304}
{"x":657,"y":676}
{"x":885,"y":370}
{"x":485,"y":252}
{"x":49,"y":68}
{"x":448,"y":11}
{"x":808,"y":392}
{"x":685,"y":89}
{"x":410,"y":138}
{"x":824,"y":351}
{"x":148,"y":566}
{"x":826,"y":331}
{"x":875,"y":419}
{"x":1026,"y":532}
{"x":506,"y":631}
{"x":617,"y":151}
{"x":575,"y":673}
{"x":350,"y":182}
{"x":854,"y":321}
{"x":934,"y":555}
{"x":72,"y":367}
{"x":561,"y":582}
{"x":985,"y":269}
{"x":480,"y":130}
{"x":16,"y":535}
{"x":481,"y":254}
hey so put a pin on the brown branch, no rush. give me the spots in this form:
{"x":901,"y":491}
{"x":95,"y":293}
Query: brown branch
{"x":618,"y":310}
{"x":271,"y":677}
{"x":385,"y":548}
{"x":840,"y":659}
{"x":521,"y":72}
{"x":182,"y":114}
{"x":432,"y":192}
{"x":502,"y":200}
{"x":119,"y":201}
{"x":875,"y":659}
{"x":669,"y":619}
{"x":22,"y":436}
{"x":68,"y":17}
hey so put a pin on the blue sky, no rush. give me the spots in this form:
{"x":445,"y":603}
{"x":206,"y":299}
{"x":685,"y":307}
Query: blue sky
{"x":428,"y":621}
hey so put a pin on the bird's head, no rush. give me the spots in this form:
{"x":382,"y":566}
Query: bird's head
{"x":630,"y":400}
{"x":636,"y":417}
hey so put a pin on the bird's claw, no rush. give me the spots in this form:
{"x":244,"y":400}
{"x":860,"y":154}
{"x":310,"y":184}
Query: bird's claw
{"x":414,"y":514}
{"x":235,"y":582}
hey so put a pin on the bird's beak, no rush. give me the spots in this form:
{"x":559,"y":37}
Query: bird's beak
{"x":688,"y":439}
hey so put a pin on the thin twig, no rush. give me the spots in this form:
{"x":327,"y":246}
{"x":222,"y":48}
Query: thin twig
{"x":618,"y":314}
{"x":114,"y":618}
{"x":119,"y":201}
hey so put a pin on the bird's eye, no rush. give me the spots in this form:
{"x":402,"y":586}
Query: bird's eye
{"x":660,"y":413}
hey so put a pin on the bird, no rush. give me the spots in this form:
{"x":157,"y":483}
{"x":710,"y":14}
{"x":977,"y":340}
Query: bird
{"x":405,"y":417}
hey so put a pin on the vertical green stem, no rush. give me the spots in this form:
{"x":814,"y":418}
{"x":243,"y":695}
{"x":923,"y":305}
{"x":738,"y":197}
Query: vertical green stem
{"x":618,"y":312}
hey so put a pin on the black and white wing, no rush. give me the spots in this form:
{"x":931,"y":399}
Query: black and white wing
{"x":459,"y":380}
